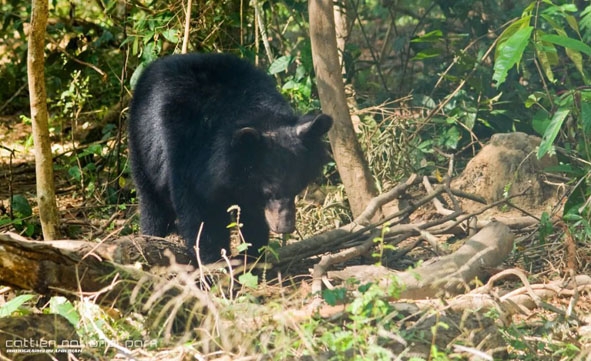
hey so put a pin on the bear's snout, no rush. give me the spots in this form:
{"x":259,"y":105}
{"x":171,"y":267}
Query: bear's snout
{"x":280,"y":215}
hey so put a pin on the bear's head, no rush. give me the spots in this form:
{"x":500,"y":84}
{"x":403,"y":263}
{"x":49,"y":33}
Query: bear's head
{"x":277,"y":162}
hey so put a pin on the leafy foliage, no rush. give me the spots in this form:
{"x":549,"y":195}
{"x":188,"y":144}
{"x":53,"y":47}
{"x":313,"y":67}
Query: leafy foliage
{"x":542,"y":27}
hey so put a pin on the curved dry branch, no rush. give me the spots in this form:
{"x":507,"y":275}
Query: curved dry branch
{"x":453,"y":273}
{"x":449,"y":274}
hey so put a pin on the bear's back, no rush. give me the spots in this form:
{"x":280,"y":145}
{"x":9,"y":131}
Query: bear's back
{"x":192,"y":87}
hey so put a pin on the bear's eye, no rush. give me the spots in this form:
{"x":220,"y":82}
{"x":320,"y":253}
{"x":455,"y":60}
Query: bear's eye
{"x":267,"y":194}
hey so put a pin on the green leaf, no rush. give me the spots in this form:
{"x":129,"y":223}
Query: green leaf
{"x":430,"y":37}
{"x":577,"y":59}
{"x":136,"y":75}
{"x":567,"y":42}
{"x":29,"y":229}
{"x":547,"y":55}
{"x":150,"y":51}
{"x":20,"y":205}
{"x":171,"y":35}
{"x":552,"y":131}
{"x":546,"y":227}
{"x":122,"y":181}
{"x":95,"y":149}
{"x":540,"y":121}
{"x":75,"y":173}
{"x":427,"y":54}
{"x":232,"y":225}
{"x":280,"y":64}
{"x":509,"y":53}
{"x":335,"y":296}
{"x":469,"y":119}
{"x":306,"y":55}
{"x":243,"y":247}
{"x":248,"y":280}
{"x":534,"y":98}
{"x":572,"y":22}
{"x":511,"y":30}
{"x":452,"y":137}
{"x":585,"y":21}
{"x":575,"y":201}
{"x":63,"y":307}
{"x":135,"y":47}
{"x":13,"y":305}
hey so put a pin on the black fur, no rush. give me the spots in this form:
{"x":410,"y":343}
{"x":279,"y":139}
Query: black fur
{"x":207,"y":131}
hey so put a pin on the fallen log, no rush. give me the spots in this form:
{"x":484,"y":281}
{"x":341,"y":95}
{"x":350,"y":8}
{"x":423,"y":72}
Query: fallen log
{"x":59,"y":267}
{"x":452,"y":273}
{"x":62,"y":267}
{"x":78,"y":269}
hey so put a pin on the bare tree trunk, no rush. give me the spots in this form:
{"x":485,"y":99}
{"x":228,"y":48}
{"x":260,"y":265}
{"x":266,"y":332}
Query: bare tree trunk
{"x":341,"y":30}
{"x":353,"y":168}
{"x":43,"y":158}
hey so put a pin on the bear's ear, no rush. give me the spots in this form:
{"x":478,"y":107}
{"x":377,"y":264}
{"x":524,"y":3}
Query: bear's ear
{"x":245,"y":137}
{"x":313,"y":125}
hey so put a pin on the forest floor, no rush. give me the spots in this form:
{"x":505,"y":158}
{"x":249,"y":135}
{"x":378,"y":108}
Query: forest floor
{"x":556,"y":327}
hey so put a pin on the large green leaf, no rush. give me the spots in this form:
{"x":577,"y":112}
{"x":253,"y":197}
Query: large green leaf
{"x":61,"y":306}
{"x":540,"y":121}
{"x":552,"y":130}
{"x":280,"y":64}
{"x":576,"y":58}
{"x":509,"y":53}
{"x":430,"y":37}
{"x":585,"y":21}
{"x":510,"y":31}
{"x":248,"y":280}
{"x":13,"y":305}
{"x":572,"y":47}
{"x":567,"y":42}
{"x":547,"y":55}
{"x":20,"y":206}
{"x":572,"y":22}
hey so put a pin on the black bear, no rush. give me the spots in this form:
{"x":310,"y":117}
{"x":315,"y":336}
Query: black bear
{"x":207,"y":131}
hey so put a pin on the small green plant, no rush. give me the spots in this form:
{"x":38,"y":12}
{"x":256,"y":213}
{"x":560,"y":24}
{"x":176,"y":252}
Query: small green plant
{"x":61,"y":306}
{"x":69,"y":106}
{"x":381,"y":245}
{"x":73,"y":100}
{"x":20,"y":216}
{"x":367,"y":316}
{"x":247,"y":278}
{"x":546,"y":228}
{"x":527,"y":344}
{"x":334,"y":296}
{"x":435,"y":353}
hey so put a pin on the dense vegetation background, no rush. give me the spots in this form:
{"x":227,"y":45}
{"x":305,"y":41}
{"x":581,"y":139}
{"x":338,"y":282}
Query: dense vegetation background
{"x":424,"y":79}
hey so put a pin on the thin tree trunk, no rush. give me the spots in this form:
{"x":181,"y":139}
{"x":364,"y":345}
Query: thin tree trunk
{"x":353,"y":168}
{"x":43,"y":158}
{"x":341,"y":31}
